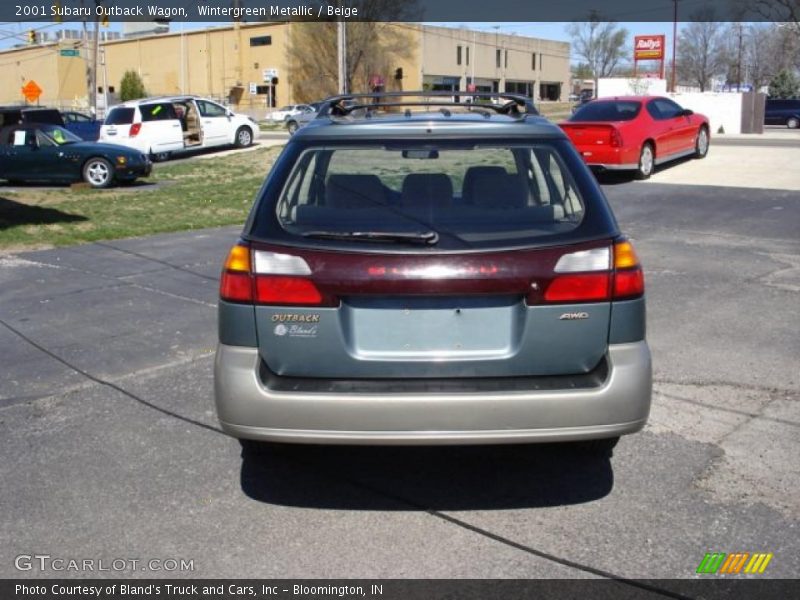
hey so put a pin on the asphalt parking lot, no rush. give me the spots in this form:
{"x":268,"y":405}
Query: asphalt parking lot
{"x":111,"y":448}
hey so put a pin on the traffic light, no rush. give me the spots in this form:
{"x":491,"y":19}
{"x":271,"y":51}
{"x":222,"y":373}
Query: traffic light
{"x":31,"y":36}
{"x":104,"y":20}
{"x":398,"y":73}
{"x":57,"y":10}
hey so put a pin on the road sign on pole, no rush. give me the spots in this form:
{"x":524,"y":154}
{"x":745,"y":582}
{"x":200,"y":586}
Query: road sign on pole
{"x":31,"y":91}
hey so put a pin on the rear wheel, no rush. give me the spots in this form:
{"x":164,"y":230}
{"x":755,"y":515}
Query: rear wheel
{"x":244,"y":137}
{"x":255,"y":449}
{"x":701,"y":143}
{"x":160,"y":156}
{"x":291,"y":127}
{"x":603,"y":448}
{"x":646,"y":162}
{"x":98,"y":173}
{"x":793,"y":122}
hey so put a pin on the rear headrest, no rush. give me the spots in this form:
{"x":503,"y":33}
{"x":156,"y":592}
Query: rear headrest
{"x":499,"y":192}
{"x":422,"y":190}
{"x":471,"y":176}
{"x":354,"y":191}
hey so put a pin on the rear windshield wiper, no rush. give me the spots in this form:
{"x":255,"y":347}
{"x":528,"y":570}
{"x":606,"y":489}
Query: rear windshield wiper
{"x":411,"y":237}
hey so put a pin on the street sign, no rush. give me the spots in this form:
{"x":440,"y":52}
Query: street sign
{"x":31,"y":91}
{"x":69,"y":52}
{"x":270,"y":74}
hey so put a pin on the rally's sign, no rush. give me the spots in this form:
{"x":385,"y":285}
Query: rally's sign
{"x":648,"y":47}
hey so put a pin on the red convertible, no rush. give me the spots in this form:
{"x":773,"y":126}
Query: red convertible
{"x":636,"y":133}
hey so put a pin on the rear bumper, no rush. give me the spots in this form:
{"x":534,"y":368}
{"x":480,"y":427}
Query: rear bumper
{"x":248,"y":409}
{"x":612,"y":167}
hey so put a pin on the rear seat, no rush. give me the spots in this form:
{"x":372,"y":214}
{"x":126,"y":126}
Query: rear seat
{"x":354,"y":201}
{"x":427,"y":191}
{"x":472,"y":175}
{"x":354,"y":191}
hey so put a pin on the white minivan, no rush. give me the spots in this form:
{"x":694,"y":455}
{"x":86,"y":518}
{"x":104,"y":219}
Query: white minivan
{"x":158,"y":127}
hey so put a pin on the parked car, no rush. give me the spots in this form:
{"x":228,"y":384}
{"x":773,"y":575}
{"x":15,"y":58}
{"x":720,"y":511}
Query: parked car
{"x":636,"y":133}
{"x":283,"y":113}
{"x":84,"y":126}
{"x":782,"y":112}
{"x":432,"y":275}
{"x":294,"y":122}
{"x":14,"y":115}
{"x":37,"y":152}
{"x":161,"y":126}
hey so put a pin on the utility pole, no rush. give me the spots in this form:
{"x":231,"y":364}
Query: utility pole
{"x":739,"y":59}
{"x":674,"y":42}
{"x":95,"y":53}
{"x":342,"y":54}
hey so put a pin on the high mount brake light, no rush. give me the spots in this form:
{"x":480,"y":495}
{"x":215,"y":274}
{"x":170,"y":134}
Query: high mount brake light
{"x":592,"y":276}
{"x":268,"y":278}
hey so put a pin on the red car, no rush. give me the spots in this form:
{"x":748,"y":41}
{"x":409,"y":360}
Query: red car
{"x":636,"y":133}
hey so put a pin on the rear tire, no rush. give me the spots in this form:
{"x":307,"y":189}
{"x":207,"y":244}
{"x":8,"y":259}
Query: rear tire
{"x":244,"y":137}
{"x":160,"y":156}
{"x":603,"y":448}
{"x":646,"y":162}
{"x":701,"y":143}
{"x":793,"y":122}
{"x":256,"y":449}
{"x":98,"y":173}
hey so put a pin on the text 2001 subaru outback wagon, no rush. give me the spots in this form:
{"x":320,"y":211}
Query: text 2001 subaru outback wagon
{"x":419,"y":271}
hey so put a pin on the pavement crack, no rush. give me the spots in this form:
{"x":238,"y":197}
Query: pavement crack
{"x":744,"y":413}
{"x":120,"y":282}
{"x":109,"y":384}
{"x":715,"y":383}
{"x":400,"y":499}
{"x":156,"y":260}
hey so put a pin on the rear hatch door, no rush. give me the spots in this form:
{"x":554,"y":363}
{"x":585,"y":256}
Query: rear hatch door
{"x":393,"y":316}
{"x":441,"y":259}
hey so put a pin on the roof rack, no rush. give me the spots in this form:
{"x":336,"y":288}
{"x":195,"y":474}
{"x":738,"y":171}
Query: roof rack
{"x":513,"y":105}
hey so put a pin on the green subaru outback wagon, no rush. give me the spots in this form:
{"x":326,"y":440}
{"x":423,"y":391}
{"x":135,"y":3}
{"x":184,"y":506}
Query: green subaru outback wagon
{"x":428,"y":269}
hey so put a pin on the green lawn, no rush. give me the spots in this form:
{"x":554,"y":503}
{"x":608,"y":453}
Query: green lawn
{"x":191,"y":194}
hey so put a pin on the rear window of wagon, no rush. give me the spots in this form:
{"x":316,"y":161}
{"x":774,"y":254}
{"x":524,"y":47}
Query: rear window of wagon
{"x":472,"y":196}
{"x":120,"y":116}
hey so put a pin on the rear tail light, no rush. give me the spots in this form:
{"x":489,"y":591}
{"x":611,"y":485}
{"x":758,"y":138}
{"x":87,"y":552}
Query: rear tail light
{"x":135,"y":129}
{"x":236,"y":284}
{"x":628,"y":274}
{"x":616,"y":138}
{"x":586,"y":287}
{"x":597,"y":275}
{"x":269,"y":278}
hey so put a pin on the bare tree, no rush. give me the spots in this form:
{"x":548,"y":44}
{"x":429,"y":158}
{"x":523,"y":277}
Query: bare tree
{"x":702,"y":50}
{"x":756,"y":52}
{"x":374,"y":47}
{"x":598,"y":43}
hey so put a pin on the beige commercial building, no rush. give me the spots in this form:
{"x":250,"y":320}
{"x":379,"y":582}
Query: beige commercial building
{"x":238,"y":65}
